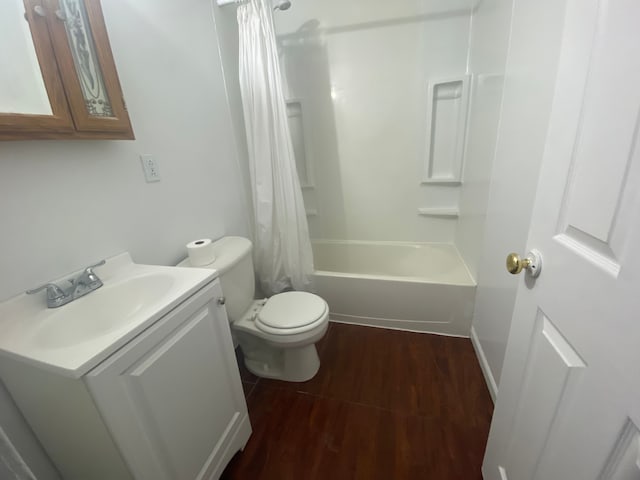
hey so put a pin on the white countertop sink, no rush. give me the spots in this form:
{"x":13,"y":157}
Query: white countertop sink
{"x":74,"y":338}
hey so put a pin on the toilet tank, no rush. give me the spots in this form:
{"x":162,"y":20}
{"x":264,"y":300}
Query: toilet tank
{"x":235,"y":271}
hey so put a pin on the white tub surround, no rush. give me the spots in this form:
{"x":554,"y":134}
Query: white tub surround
{"x":529,"y":87}
{"x":417,"y":287}
{"x":372,"y":88}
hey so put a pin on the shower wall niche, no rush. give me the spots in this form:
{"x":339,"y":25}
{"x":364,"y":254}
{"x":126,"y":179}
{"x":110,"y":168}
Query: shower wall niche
{"x":300,"y":135}
{"x":447,"y":106}
{"x":356,"y":77}
{"x":301,"y":148}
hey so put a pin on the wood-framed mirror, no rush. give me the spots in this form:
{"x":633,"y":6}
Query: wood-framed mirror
{"x":57,"y":74}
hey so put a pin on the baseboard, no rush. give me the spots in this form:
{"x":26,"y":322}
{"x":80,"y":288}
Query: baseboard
{"x":484,"y":365}
{"x":392,"y":324}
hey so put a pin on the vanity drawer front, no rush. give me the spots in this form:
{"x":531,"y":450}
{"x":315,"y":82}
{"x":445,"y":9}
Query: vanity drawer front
{"x":172,"y":397}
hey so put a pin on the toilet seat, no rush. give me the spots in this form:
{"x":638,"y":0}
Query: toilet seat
{"x":292,"y":312}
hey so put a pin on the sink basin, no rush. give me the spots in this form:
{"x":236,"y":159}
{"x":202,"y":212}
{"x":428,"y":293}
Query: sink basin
{"x":74,"y":338}
{"x":101,"y":312}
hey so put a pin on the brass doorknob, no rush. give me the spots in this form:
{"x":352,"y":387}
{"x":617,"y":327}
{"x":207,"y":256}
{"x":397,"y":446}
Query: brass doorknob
{"x":532,"y":263}
{"x":515,"y":264}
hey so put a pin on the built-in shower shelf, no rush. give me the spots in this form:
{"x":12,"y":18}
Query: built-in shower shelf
{"x":447,"y":102}
{"x":300,"y":135}
{"x":442,"y":181}
{"x":446,"y":212}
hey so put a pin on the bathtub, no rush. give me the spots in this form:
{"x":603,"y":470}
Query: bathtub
{"x":407,"y":286}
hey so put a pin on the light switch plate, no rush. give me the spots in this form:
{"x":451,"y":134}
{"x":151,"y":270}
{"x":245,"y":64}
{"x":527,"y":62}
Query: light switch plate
{"x":150,"y":167}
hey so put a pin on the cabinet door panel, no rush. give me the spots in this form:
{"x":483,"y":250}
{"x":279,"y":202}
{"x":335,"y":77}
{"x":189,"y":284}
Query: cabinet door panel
{"x":82,"y":49}
{"x":172,"y":397}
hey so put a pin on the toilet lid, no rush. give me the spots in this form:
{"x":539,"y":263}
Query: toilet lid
{"x":292,"y":310}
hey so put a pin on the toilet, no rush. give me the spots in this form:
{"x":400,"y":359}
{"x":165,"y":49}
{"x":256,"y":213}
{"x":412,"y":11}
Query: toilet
{"x":277,"y":335}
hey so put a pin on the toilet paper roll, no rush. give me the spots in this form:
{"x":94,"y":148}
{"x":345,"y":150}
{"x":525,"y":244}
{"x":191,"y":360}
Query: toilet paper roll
{"x":200,"y":252}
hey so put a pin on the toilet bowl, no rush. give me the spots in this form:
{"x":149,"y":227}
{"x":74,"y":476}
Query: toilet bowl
{"x":277,"y":335}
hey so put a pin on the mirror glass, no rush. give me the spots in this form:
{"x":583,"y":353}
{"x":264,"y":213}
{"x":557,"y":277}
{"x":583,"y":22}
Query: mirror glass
{"x":22,"y":88}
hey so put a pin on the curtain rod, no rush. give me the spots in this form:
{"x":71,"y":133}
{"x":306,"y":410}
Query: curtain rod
{"x":229,"y":2}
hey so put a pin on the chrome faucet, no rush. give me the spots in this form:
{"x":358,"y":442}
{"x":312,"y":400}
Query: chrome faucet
{"x":84,"y":283}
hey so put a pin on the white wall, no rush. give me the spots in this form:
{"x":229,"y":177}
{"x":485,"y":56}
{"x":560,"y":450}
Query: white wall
{"x":487,"y":59}
{"x":67,"y":204}
{"x":361,"y":69}
{"x":528,"y":90}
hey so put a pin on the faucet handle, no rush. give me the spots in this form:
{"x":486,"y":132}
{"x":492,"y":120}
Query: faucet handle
{"x":56,"y":296}
{"x":88,"y":277}
{"x":53,"y":291}
{"x":99,"y":264}
{"x":88,"y":274}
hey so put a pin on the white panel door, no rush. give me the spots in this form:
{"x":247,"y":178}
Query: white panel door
{"x":569,"y":400}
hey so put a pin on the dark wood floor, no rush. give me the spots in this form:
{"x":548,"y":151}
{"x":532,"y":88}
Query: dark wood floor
{"x":385,"y":405}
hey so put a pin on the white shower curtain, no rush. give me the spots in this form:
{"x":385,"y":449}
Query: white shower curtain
{"x":282,"y":251}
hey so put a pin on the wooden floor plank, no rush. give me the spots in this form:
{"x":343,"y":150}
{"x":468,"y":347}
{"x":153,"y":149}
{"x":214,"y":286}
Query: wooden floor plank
{"x":385,"y":404}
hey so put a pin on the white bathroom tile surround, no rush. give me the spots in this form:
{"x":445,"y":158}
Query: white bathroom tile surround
{"x":529,"y":85}
{"x":487,"y":59}
{"x":364,"y":79}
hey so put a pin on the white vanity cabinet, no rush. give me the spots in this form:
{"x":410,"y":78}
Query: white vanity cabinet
{"x":172,"y":397}
{"x":167,"y":405}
